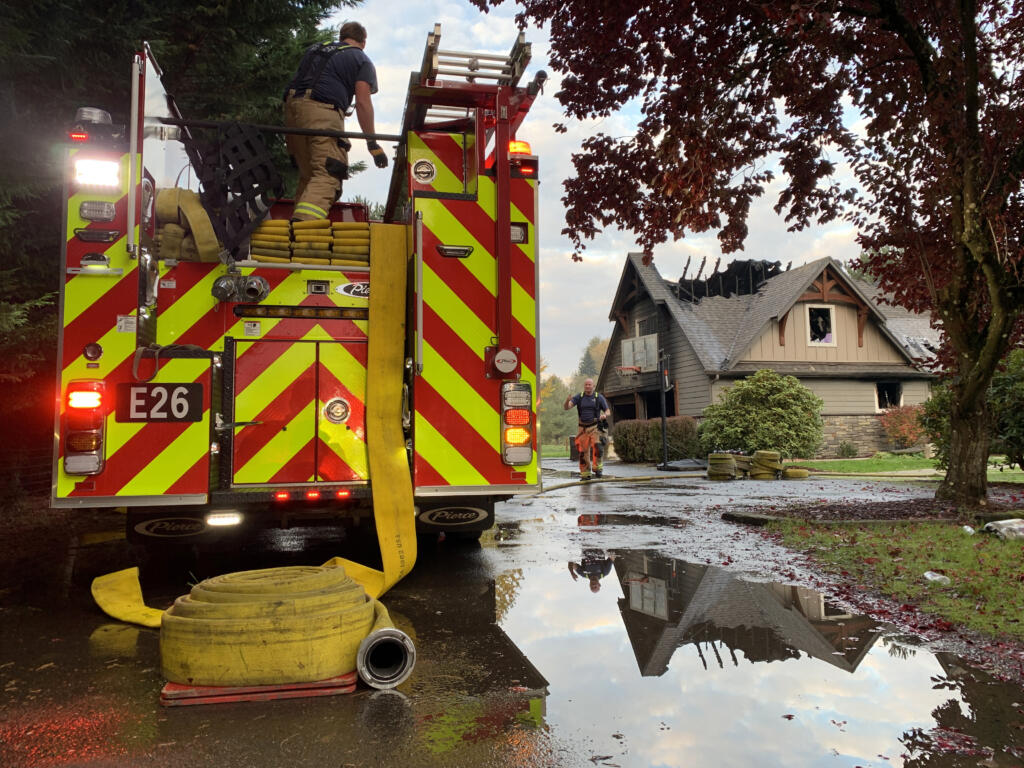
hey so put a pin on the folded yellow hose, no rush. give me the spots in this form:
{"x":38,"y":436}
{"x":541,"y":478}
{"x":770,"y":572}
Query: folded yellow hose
{"x":721,"y":466}
{"x":355,"y":250}
{"x":765,"y":465}
{"x":277,"y":625}
{"x":314,"y":224}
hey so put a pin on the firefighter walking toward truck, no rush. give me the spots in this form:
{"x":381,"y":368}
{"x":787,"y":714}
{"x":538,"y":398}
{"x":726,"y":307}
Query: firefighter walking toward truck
{"x":590,"y":442}
{"x":330,"y":77}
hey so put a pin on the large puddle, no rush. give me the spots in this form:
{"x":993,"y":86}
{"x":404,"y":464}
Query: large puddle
{"x":653,"y":661}
{"x":593,"y":628}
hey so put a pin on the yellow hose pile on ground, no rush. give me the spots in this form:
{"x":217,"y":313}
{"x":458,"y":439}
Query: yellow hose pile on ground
{"x":765,"y":465}
{"x":321,"y":242}
{"x":272,"y":626}
{"x":721,"y":466}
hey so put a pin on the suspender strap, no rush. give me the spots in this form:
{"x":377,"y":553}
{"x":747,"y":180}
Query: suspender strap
{"x":321,"y":56}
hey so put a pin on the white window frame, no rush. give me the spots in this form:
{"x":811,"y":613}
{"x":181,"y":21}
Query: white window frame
{"x":832,"y":322}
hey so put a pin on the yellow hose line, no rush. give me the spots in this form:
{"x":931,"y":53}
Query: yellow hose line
{"x":390,"y":477}
{"x":646,"y":478}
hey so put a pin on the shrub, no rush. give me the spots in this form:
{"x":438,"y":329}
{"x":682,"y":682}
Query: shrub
{"x":764,"y":412}
{"x":1005,"y":395}
{"x":902,"y":425}
{"x":934,"y":419}
{"x":639,"y":440}
{"x":847,"y":450}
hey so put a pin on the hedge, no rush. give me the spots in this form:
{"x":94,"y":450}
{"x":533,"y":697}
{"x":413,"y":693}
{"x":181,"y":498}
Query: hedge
{"x":638,"y":440}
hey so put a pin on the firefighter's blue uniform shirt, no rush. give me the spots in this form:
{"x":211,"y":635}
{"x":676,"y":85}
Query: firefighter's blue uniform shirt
{"x":348,"y":66}
{"x":589,"y":407}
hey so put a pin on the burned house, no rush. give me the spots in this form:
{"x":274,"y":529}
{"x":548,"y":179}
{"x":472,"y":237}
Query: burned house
{"x":697,"y":335}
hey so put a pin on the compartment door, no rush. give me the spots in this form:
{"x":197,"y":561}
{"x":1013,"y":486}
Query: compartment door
{"x":275,"y":412}
{"x":341,"y":432}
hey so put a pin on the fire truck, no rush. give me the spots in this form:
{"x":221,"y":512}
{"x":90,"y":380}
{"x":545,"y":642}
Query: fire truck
{"x":208,"y":390}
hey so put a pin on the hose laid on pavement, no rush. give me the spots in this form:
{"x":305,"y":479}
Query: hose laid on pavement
{"x":274,"y":626}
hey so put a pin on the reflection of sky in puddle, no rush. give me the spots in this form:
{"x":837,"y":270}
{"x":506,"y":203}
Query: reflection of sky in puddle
{"x":712,"y":705}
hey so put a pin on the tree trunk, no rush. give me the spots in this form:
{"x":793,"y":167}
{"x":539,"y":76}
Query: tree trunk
{"x":966,"y":481}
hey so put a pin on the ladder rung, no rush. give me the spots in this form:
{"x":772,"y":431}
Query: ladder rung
{"x":475,"y":65}
{"x":469,"y":55}
{"x":473,"y":73}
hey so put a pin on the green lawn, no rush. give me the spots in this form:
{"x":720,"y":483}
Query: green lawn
{"x":883,"y":463}
{"x":555,"y":451}
{"x":887,"y":462}
{"x":985,"y":572}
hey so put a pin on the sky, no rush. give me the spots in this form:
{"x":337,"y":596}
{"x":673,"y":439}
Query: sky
{"x":575,"y":297}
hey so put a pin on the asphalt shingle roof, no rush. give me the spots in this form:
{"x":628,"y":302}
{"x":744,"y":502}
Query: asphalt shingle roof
{"x":721,"y":329}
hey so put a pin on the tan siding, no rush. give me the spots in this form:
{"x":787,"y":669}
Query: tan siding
{"x":877,"y":348}
{"x":915,"y":392}
{"x":694,"y":387}
{"x":843,"y":397}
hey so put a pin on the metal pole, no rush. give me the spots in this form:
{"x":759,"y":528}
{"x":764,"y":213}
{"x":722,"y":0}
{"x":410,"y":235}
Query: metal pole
{"x":282,"y":129}
{"x":663,"y":376}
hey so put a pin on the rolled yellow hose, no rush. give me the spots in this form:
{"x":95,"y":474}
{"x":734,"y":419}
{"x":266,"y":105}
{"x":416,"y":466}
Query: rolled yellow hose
{"x":267,"y":627}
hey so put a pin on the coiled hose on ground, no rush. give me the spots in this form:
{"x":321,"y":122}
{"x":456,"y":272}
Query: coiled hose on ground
{"x":282,"y":625}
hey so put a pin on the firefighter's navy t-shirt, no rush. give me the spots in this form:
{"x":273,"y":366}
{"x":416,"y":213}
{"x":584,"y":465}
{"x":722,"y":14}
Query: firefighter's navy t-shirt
{"x":345,"y":69}
{"x":589,"y":406}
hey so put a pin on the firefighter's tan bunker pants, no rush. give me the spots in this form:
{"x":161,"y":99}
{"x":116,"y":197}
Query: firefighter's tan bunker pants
{"x":317,"y":189}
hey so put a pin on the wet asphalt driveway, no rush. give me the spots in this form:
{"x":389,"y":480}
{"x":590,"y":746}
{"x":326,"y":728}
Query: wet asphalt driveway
{"x":611,"y":624}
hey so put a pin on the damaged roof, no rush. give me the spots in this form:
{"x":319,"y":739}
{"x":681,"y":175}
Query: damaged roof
{"x":721,"y":329}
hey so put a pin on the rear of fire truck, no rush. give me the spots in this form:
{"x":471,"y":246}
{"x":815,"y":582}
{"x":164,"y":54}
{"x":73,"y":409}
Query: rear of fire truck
{"x":211,"y":392}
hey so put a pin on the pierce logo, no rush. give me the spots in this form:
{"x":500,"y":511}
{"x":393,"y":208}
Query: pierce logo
{"x":355,"y":290}
{"x":167,"y":527}
{"x":453,"y":515}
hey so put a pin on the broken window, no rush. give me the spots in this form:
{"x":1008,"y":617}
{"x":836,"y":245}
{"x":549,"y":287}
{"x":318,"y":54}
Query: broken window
{"x":889,"y":393}
{"x":820,"y":325}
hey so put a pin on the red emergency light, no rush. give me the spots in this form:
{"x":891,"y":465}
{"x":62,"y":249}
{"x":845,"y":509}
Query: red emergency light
{"x":282,"y":496}
{"x":78,"y":136}
{"x":313,"y":494}
{"x":342,"y":493}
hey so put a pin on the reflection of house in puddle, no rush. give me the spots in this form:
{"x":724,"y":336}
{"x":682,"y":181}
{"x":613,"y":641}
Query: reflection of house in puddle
{"x":670,"y":603}
{"x":482,"y":686}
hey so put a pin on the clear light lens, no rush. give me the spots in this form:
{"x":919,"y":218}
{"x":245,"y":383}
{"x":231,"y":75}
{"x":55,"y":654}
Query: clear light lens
{"x":516,"y":395}
{"x":223,"y":518}
{"x":96,"y":210}
{"x":518,"y":455}
{"x":84,"y":398}
{"x":97,"y":173}
{"x":517,"y":436}
{"x":519,"y":232}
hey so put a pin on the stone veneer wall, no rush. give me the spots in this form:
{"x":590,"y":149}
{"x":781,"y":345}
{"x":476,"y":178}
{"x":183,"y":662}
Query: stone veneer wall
{"x":865,"y":432}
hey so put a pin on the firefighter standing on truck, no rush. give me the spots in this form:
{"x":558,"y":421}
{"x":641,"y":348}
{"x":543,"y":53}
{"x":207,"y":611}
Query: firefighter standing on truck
{"x":592,"y":409}
{"x":329,"y":78}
